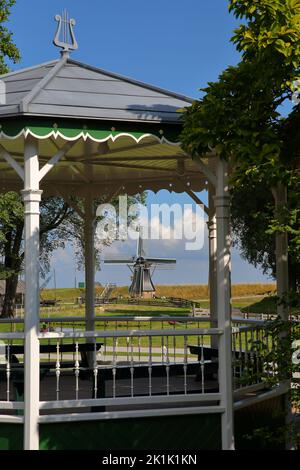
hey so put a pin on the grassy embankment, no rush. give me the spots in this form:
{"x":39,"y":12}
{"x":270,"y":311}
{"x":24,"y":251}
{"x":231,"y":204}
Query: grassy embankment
{"x":190,"y":292}
{"x":250,"y":297}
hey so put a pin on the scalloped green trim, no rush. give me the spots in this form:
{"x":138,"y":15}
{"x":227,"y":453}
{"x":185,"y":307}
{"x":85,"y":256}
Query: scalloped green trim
{"x":70,"y":130}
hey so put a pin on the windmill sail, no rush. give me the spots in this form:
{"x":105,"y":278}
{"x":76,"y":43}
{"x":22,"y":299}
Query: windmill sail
{"x":140,"y":246}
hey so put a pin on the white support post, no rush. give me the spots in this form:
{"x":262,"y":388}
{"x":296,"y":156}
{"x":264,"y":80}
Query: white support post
{"x":32,"y":197}
{"x":223,"y":302}
{"x":89,"y":234}
{"x":212,"y":244}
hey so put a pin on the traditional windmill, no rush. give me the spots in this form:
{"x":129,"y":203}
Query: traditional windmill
{"x":142,"y":268}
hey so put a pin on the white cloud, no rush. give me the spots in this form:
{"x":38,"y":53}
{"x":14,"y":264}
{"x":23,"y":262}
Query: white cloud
{"x":191,"y":266}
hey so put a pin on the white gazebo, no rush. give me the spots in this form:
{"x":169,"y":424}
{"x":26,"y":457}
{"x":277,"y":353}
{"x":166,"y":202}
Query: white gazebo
{"x":70,"y":129}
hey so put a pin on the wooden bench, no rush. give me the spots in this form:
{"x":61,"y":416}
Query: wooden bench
{"x":17,"y":368}
{"x":212,"y":354}
{"x":83,"y":348}
{"x":123,"y":372}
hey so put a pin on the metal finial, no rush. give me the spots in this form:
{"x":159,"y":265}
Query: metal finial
{"x":65,"y":27}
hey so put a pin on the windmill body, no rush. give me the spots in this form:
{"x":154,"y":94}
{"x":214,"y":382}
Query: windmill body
{"x":142,"y":268}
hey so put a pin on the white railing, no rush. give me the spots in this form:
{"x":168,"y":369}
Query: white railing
{"x":107,"y":369}
{"x":129,"y":363}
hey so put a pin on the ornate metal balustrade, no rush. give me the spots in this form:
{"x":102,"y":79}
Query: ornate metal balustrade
{"x":129,"y":364}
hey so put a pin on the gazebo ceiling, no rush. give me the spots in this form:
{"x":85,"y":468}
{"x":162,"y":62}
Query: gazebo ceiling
{"x":123,"y":134}
{"x":120,"y":163}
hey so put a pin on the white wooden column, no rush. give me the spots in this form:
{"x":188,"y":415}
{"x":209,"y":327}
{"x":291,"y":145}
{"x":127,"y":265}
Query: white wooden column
{"x":223,"y":302}
{"x":212,"y":245}
{"x":89,"y":251}
{"x":32,"y":197}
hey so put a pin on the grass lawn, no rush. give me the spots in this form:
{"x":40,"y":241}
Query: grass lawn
{"x":68,"y":308}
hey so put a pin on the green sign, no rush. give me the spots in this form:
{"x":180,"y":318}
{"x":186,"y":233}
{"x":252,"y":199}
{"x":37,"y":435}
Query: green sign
{"x":81,"y":285}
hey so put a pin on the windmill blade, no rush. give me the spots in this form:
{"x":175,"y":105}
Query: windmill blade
{"x":119,"y":261}
{"x":161,"y":260}
{"x":165,"y":267}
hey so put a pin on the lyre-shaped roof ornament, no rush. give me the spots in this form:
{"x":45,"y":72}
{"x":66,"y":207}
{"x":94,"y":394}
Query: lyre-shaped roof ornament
{"x":65,"y":37}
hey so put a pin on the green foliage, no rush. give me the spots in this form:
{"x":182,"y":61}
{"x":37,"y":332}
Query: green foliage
{"x":11,"y":227}
{"x":11,"y":214}
{"x":7,"y":47}
{"x":53,"y":212}
{"x":252,"y":212}
{"x":239,"y":118}
{"x":277,"y":349}
{"x":73,"y":226}
{"x":284,"y":353}
{"x":238,"y":115}
{"x":11,"y":211}
{"x":271,"y":30}
{"x":247,"y":218}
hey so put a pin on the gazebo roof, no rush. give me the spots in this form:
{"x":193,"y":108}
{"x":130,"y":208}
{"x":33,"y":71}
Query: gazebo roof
{"x":68,"y":89}
{"x":123,"y":134}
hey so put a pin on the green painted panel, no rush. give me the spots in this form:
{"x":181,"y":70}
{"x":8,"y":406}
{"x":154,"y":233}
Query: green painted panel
{"x":157,"y":433}
{"x":268,"y":417}
{"x":11,"y":436}
{"x":191,"y":432}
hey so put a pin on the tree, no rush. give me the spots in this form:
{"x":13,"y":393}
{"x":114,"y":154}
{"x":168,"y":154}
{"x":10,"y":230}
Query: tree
{"x":239,"y":116}
{"x":252,"y":215}
{"x":74,"y":226}
{"x":8,"y":49}
{"x":10,"y":206}
{"x":59,"y":224}
{"x":11,"y":237}
{"x":54,"y":211}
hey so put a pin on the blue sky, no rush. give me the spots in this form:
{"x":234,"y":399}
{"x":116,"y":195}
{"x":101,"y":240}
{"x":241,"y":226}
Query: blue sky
{"x":178,"y":45}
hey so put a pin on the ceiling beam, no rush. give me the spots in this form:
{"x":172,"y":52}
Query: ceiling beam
{"x":136,"y":158}
{"x":80,"y":173}
{"x":197,"y":200}
{"x":129,"y":182}
{"x":126,"y":148}
{"x":206,"y":171}
{"x":13,"y":163}
{"x":193,"y":196}
{"x":55,"y":159}
{"x":135,"y":167}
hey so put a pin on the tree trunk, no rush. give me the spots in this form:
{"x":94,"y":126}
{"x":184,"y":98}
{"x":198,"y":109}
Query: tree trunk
{"x":293,"y":279}
{"x":13,"y":262}
{"x":282,"y":265}
{"x":9,"y":303}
